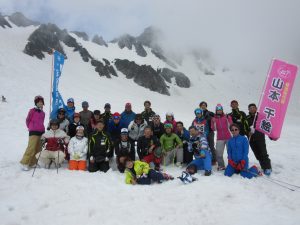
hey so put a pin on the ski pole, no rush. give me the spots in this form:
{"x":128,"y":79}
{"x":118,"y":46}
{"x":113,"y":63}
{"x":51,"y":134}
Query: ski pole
{"x":37,"y":161}
{"x":57,"y":162}
{"x":293,"y":185}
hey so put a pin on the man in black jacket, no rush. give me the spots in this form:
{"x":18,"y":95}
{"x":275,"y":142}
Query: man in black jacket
{"x":239,"y":118}
{"x":211,"y":134}
{"x":258,"y":142}
{"x":100,"y":149}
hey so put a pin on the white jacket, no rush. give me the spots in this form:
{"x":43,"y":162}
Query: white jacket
{"x":78,"y":148}
{"x":135,"y":131}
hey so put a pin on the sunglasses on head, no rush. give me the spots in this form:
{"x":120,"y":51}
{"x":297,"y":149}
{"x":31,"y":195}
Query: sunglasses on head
{"x":234,"y":129}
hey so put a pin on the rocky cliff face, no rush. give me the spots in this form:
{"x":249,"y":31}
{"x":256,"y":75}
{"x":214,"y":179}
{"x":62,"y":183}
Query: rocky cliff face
{"x":3,"y":22}
{"x":21,"y":21}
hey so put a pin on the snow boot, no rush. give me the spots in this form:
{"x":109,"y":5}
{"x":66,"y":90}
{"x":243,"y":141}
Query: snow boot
{"x":207,"y":173}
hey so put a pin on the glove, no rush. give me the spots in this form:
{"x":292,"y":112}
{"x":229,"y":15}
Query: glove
{"x":202,"y":154}
{"x":60,"y":141}
{"x":144,"y":175}
{"x":252,"y":130}
{"x":106,"y":159}
{"x":194,"y":146}
{"x":232,"y":163}
{"x":76,"y":156}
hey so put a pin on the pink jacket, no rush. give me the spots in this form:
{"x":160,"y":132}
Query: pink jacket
{"x":221,"y":125}
{"x":174,"y":124}
{"x":35,"y":120}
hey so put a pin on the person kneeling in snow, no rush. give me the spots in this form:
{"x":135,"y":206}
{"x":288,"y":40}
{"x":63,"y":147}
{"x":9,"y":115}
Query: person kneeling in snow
{"x":100,"y":149}
{"x":199,"y":145}
{"x":56,"y":140}
{"x":238,"y":149}
{"x":138,"y":172}
{"x":77,"y":149}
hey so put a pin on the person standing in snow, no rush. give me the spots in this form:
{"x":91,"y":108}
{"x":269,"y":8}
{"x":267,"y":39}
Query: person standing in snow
{"x":199,"y":146}
{"x":239,"y":118}
{"x":184,"y":135}
{"x":258,"y":142}
{"x":107,"y":115}
{"x":123,"y":149}
{"x":148,"y":148}
{"x":56,"y":141}
{"x":77,"y":148}
{"x":171,"y":146}
{"x":147,"y":114}
{"x":211,"y":134}
{"x":35,"y":124}
{"x":220,"y":123}
{"x":170,"y":119}
{"x":114,"y":127}
{"x":127,"y":115}
{"x":157,"y":126}
{"x":238,"y":149}
{"x":200,"y":122}
{"x":85,"y":114}
{"x":138,"y":172}
{"x":136,"y":128}
{"x":100,"y":149}
{"x":70,"y":109}
{"x":74,"y":125}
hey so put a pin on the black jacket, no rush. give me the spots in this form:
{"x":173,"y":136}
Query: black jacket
{"x":208,"y":116}
{"x":100,"y":146}
{"x":159,"y":130}
{"x":257,"y":136}
{"x":240,"y":118}
{"x":123,"y":148}
{"x":144,"y":144}
{"x":72,"y":129}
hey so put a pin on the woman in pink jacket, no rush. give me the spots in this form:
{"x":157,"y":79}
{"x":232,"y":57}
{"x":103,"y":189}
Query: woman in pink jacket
{"x":35,"y":124}
{"x":170,"y":120}
{"x":220,"y":123}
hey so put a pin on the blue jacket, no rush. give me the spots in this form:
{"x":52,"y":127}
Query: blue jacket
{"x":115,"y":130}
{"x":238,"y":149}
{"x":185,"y":136}
{"x":70,"y":113}
{"x":127,"y":117}
{"x":202,"y":125}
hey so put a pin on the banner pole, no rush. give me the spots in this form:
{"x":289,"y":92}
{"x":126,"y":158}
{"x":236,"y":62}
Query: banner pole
{"x":51,"y":84}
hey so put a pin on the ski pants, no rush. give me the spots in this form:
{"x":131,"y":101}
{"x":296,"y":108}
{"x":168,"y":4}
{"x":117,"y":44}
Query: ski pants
{"x":260,"y":151}
{"x":34,"y":146}
{"x":152,"y":176}
{"x":98,"y":166}
{"x":187,"y":156}
{"x":211,"y":144}
{"x":249,"y":173}
{"x":170,"y":156}
{"x":77,"y":165}
{"x":220,"y":146}
{"x":202,"y":163}
{"x":47,"y":156}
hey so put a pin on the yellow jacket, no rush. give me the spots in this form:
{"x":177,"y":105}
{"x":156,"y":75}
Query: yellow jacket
{"x":139,"y":168}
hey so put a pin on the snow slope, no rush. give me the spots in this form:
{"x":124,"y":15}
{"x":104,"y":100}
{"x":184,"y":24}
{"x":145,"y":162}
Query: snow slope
{"x":80,"y":197}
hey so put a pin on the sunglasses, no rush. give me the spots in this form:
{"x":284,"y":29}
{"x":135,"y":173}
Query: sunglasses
{"x":232,"y":130}
{"x":116,"y":117}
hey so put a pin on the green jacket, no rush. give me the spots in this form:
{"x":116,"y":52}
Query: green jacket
{"x":139,"y":168}
{"x":169,"y":142}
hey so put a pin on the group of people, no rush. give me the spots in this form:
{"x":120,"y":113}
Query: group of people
{"x":91,"y":140}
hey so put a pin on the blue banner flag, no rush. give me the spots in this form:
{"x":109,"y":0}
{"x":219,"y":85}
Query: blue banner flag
{"x":57,"y":100}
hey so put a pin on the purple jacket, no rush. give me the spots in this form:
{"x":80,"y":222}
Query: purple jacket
{"x":221,"y":125}
{"x":35,"y":120}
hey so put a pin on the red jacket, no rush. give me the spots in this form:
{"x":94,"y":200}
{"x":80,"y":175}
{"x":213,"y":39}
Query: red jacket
{"x":53,"y":137}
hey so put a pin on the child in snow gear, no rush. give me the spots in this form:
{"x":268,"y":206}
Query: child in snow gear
{"x":56,"y":140}
{"x":200,"y":122}
{"x":199,"y":146}
{"x":100,"y":149}
{"x":239,"y":118}
{"x":170,"y":119}
{"x":138,"y":172}
{"x":147,"y":114}
{"x":124,"y":149}
{"x":148,"y":148}
{"x":70,"y":109}
{"x":72,"y":126}
{"x":35,"y":124}
{"x":211,"y":134}
{"x":107,"y":115}
{"x":157,"y":126}
{"x":258,"y":142}
{"x":77,"y":148}
{"x":85,"y":114}
{"x":184,"y":135}
{"x":127,"y":115}
{"x":171,"y":146}
{"x":238,"y":149}
{"x":220,"y":123}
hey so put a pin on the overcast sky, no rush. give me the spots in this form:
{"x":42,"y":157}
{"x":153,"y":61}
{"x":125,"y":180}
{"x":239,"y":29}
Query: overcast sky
{"x":237,"y":32}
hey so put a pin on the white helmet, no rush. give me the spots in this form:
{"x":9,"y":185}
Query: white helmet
{"x":124,"y":131}
{"x":170,"y":114}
